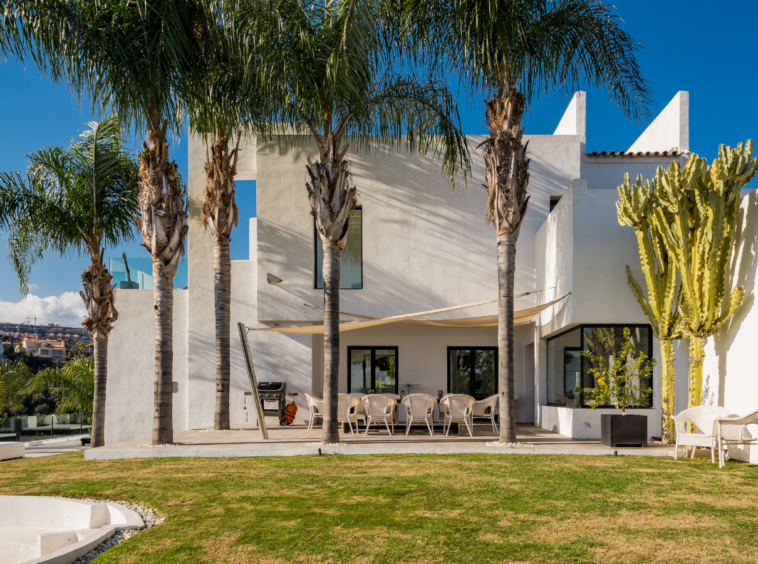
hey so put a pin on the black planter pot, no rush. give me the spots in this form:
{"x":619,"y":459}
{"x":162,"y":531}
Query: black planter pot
{"x":623,"y":430}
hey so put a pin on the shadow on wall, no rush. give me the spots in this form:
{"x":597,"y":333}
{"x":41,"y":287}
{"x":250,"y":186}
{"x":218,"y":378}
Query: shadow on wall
{"x":432,"y":231}
{"x":742,"y":273}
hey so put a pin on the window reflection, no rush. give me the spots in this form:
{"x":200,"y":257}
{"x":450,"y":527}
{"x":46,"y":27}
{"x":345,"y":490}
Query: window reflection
{"x":351,"y":258}
{"x":568,"y":371}
{"x":472,"y":371}
{"x":372,"y":368}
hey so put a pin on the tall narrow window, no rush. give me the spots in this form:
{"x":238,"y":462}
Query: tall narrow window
{"x":472,"y":371}
{"x":372,"y":368}
{"x":351,"y":260}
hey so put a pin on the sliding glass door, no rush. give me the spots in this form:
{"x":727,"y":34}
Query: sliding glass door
{"x":372,"y":368}
{"x":472,"y":371}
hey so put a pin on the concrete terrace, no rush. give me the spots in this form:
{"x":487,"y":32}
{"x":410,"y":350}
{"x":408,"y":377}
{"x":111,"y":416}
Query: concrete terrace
{"x":245,"y":440}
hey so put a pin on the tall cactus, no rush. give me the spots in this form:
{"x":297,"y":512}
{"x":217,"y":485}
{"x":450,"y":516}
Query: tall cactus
{"x":697,"y":216}
{"x":635,"y":208}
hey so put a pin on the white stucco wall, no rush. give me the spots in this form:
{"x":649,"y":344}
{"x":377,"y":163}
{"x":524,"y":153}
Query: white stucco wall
{"x":585,"y":423}
{"x":418,"y":233}
{"x":582,"y":249}
{"x":669,"y":130}
{"x":131,"y":366}
{"x":730,"y":371}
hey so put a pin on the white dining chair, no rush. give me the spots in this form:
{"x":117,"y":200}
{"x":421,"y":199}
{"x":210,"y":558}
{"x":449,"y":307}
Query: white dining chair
{"x":347,"y":410}
{"x":380,"y":407}
{"x":458,"y":407}
{"x":419,"y":406}
{"x":481,"y":408}
{"x":316,"y":407}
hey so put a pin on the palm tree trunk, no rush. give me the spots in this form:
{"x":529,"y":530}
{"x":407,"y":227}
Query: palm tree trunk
{"x":667,"y":390}
{"x":101,"y":381}
{"x":222,"y":278}
{"x":163,"y":296}
{"x":506,"y":270}
{"x":99,"y":299}
{"x":163,"y":224}
{"x":697,"y":354}
{"x":331,"y":273}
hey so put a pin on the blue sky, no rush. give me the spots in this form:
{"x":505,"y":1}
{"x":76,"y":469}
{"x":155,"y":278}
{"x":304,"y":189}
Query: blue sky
{"x":694,"y":46}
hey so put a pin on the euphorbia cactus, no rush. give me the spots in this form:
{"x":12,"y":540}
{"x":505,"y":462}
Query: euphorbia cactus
{"x":635,"y":208}
{"x":696,"y":213}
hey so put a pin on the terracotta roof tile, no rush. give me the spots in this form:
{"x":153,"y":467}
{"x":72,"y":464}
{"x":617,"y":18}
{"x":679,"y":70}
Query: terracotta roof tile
{"x":625,"y":154}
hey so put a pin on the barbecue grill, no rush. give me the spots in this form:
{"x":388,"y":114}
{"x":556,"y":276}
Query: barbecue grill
{"x":272,"y":393}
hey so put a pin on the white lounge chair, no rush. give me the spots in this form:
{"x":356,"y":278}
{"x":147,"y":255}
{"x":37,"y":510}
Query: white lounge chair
{"x":481,"y":407}
{"x":316,"y":407}
{"x":733,"y":431}
{"x":347,"y":410}
{"x":703,"y":417}
{"x":458,"y":407}
{"x":419,"y":406}
{"x":379,"y":406}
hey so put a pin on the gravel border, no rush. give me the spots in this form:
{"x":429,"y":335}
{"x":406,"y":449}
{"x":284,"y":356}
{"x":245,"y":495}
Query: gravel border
{"x":498,"y":444}
{"x":148,"y":517}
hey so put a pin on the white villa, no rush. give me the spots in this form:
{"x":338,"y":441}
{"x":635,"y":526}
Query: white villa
{"x":417,"y":245}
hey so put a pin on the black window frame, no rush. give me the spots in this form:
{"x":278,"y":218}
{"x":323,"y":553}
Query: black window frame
{"x":471,"y":379}
{"x":317,"y":242}
{"x":581,"y":366}
{"x":373,"y":350}
{"x":581,"y":328}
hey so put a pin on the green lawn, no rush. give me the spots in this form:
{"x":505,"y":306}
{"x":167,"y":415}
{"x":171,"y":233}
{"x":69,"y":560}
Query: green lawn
{"x":417,"y":508}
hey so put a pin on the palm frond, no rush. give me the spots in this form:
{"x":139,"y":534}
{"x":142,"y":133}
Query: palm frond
{"x":73,"y":201}
{"x":327,"y":66}
{"x":126,"y":56}
{"x":542,"y":46}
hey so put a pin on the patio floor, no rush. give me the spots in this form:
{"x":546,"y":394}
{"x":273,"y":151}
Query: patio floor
{"x":296,"y":440}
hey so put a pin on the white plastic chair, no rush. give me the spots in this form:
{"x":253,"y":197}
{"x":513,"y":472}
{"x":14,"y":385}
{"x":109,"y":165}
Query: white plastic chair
{"x":458,"y":407}
{"x":734,"y":431}
{"x":361,"y":416}
{"x":347,"y":410}
{"x":397,"y":398}
{"x":419,"y":406}
{"x":705,"y":435}
{"x":481,"y":407}
{"x":316,"y":407}
{"x":379,"y":406}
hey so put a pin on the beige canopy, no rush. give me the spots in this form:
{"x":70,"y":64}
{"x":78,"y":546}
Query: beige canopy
{"x":522,"y":317}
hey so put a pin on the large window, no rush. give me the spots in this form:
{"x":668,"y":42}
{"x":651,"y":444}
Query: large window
{"x":472,"y":371}
{"x":568,"y":374}
{"x":351,"y":259}
{"x":372,"y":368}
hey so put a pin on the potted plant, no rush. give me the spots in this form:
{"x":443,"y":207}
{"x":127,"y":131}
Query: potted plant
{"x":623,"y":385}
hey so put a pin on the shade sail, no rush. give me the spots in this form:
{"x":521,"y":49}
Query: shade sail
{"x":522,"y":317}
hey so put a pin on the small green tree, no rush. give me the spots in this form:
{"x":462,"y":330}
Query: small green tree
{"x":623,"y":383}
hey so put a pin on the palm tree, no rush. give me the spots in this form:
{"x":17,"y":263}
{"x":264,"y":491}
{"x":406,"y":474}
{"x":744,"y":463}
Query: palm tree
{"x":332,"y":74}
{"x":220,"y":101}
{"x":129,"y":56}
{"x":73,"y":202}
{"x":517,"y":50}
